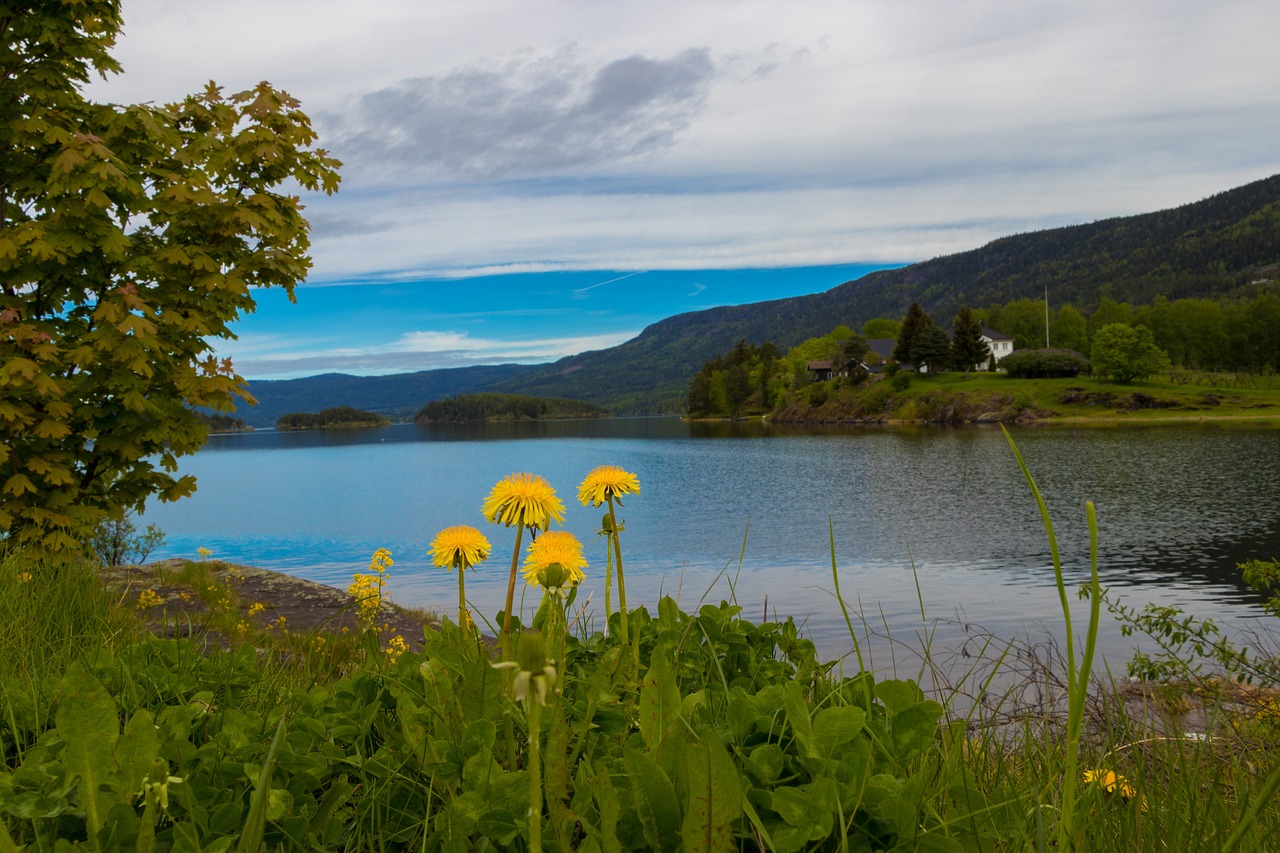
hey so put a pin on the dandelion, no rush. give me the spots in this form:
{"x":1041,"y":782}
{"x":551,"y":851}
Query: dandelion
{"x":606,"y":485}
{"x":149,"y":598}
{"x":555,"y":561}
{"x":396,"y":646}
{"x":520,"y":501}
{"x":535,"y":679}
{"x":1113,"y":783}
{"x":463,"y":547}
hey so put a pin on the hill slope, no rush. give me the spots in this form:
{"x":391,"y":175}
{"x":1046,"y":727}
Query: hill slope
{"x":1208,"y":248}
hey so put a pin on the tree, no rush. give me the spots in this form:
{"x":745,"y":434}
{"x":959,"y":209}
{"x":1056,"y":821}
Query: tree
{"x":1126,"y":353}
{"x":881,"y":328}
{"x":932,"y":349}
{"x":915,"y":320}
{"x":130,"y":240}
{"x":848,"y":359}
{"x":968,"y":348}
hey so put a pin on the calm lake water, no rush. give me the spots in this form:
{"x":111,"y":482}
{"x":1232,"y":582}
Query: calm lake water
{"x":743,"y":511}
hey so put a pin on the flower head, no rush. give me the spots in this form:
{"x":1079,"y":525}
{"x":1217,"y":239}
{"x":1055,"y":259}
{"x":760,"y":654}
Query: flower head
{"x":523,"y":500}
{"x":1111,"y":782}
{"x":605,"y":482}
{"x":555,"y":561}
{"x":461,"y":545}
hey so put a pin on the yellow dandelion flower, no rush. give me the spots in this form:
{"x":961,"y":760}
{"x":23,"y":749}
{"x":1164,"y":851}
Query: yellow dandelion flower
{"x":607,"y":481}
{"x":555,"y":548}
{"x":1111,"y":782}
{"x":461,"y":545}
{"x":523,"y":500}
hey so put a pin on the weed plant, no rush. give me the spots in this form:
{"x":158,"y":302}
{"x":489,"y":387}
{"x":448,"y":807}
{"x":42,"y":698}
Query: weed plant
{"x":700,"y":731}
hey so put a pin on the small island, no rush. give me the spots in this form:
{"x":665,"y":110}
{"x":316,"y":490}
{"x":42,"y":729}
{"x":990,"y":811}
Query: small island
{"x":217,"y":422}
{"x":478,"y":408}
{"x":338,"y":417}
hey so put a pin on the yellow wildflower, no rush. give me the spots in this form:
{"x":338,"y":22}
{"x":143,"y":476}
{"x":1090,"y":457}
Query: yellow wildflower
{"x":396,"y":646}
{"x":203,"y":552}
{"x":149,"y":598}
{"x":1113,"y":783}
{"x":24,"y":577}
{"x":523,"y":500}
{"x":555,"y":548}
{"x":461,"y":545}
{"x":381,"y":561}
{"x":256,"y":608}
{"x":605,"y":482}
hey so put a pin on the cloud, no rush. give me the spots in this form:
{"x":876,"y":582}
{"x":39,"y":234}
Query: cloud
{"x":420,"y":350}
{"x":550,"y":114}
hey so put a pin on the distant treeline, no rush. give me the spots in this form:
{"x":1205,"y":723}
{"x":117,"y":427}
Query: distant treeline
{"x":338,"y":416}
{"x":471,"y":408}
{"x":1241,"y":334}
{"x":218,"y":422}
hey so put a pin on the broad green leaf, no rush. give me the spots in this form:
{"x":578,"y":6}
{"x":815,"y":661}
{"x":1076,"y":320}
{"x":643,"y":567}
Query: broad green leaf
{"x":655,"y":799}
{"x":897,"y":696}
{"x":798,"y":716}
{"x":87,"y":724}
{"x":715,"y":797}
{"x":659,"y":701}
{"x":836,"y":726}
{"x":137,"y":748}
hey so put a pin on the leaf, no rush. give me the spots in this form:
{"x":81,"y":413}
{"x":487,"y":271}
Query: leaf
{"x":87,"y":723}
{"x":655,"y":800}
{"x":798,"y":717}
{"x":715,"y":797}
{"x":897,"y":696}
{"x":135,"y":751}
{"x":659,"y":701}
{"x":834,"y":727}
{"x":256,"y":822}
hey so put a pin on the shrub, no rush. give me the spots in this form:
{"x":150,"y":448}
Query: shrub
{"x":1044,"y":363}
{"x":900,"y":381}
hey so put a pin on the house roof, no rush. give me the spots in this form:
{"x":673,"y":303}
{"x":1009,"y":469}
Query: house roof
{"x":992,"y":334}
{"x":882,"y":347}
{"x":820,"y":365}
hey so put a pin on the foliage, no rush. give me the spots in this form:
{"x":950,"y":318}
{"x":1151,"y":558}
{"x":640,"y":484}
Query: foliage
{"x":1126,"y":353}
{"x":931,"y":349}
{"x":745,"y":380}
{"x":116,"y":541}
{"x":218,"y":422}
{"x":968,"y":349}
{"x":336,"y":417}
{"x":914,"y":321}
{"x":881,"y":327}
{"x":130,"y":238}
{"x":1043,"y":363}
{"x":506,"y":407}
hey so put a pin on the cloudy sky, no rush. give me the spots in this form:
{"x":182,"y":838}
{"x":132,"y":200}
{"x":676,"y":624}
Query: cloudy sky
{"x":525,"y":179}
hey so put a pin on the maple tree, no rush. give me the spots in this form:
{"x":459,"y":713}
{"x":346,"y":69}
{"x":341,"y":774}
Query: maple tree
{"x":131,"y":237}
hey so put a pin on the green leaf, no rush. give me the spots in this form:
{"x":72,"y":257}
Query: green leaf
{"x":715,"y":797}
{"x":659,"y":701}
{"x":87,"y":723}
{"x":834,"y":727}
{"x":897,"y":696}
{"x":655,"y":800}
{"x":137,"y":748}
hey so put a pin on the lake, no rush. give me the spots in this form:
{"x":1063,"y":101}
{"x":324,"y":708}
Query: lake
{"x":744,"y":511}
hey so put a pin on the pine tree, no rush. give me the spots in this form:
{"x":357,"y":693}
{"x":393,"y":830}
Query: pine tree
{"x":968,"y":349}
{"x":915,"y":320}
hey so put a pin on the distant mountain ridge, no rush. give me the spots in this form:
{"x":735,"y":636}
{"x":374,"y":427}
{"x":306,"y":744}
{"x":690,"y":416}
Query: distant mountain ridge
{"x":1223,"y":244}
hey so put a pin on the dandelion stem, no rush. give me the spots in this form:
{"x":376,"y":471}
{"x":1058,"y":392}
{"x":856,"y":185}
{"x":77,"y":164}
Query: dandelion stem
{"x":511,"y":594}
{"x":622,"y":584}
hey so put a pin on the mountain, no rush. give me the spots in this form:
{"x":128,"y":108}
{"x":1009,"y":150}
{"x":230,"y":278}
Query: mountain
{"x":1215,"y":247}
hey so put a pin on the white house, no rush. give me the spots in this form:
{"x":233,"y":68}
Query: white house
{"x":999,"y":344}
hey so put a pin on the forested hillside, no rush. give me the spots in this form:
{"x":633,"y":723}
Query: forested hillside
{"x":1228,"y":244}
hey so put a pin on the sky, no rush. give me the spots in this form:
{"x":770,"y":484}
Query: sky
{"x":528,"y":179}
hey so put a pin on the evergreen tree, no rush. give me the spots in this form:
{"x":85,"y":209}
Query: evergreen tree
{"x":931,"y":349}
{"x":968,"y":349}
{"x":915,"y":320}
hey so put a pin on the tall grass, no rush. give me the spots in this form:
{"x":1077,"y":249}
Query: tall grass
{"x":54,"y":610}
